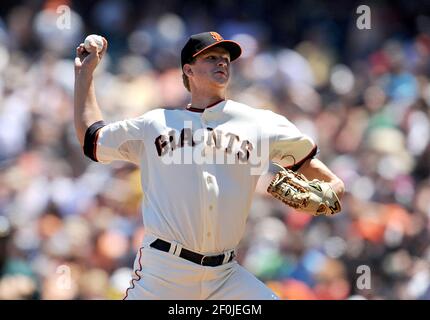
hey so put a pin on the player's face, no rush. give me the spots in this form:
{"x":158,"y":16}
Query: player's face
{"x":212,"y":68}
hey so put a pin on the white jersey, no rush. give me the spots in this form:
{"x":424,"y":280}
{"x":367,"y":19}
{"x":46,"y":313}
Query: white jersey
{"x":196,"y":167}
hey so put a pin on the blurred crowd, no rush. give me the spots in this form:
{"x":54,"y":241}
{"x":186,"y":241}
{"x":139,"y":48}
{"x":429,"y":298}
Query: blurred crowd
{"x":70,"y":228}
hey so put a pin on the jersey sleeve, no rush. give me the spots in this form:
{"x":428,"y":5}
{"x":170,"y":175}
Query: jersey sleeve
{"x":121,"y":140}
{"x":288,"y":145}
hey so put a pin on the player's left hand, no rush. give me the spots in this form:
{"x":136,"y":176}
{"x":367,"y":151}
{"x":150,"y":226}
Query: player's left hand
{"x":314,"y":197}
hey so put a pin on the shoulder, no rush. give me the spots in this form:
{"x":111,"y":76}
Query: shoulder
{"x":258,"y":113}
{"x":238,"y":106}
{"x":153,"y":114}
{"x":159,"y":114}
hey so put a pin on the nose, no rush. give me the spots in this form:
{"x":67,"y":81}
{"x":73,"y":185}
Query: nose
{"x":222,"y":63}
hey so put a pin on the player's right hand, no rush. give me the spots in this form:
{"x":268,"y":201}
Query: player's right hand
{"x":86,"y":62}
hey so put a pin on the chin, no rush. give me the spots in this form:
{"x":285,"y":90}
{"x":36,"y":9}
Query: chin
{"x":221,"y":81}
{"x":221,"y":85}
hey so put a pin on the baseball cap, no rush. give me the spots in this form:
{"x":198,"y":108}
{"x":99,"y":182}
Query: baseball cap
{"x":198,"y":43}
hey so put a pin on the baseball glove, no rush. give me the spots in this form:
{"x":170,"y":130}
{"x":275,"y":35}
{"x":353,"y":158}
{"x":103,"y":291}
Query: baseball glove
{"x":315,"y":197}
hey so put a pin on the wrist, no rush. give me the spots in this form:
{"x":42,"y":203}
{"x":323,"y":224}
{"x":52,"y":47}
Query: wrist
{"x":84,"y":76}
{"x":339,"y":187}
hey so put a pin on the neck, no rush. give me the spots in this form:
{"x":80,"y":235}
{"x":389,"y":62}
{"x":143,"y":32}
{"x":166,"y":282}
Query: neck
{"x":201,"y":101}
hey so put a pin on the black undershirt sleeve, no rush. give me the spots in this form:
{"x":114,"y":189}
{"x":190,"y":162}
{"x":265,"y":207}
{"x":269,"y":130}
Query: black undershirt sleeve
{"x":312,"y":154}
{"x":90,"y":141}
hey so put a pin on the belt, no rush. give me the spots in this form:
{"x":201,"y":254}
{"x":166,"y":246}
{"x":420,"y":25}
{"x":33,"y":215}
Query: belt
{"x":211,"y":261}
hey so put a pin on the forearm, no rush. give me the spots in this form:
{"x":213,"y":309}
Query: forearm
{"x":315,"y":169}
{"x":86,"y":109}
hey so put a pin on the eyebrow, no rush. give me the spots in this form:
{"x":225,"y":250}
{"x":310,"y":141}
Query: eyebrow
{"x":225,"y":55}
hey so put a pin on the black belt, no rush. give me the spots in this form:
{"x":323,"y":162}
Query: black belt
{"x":211,"y":261}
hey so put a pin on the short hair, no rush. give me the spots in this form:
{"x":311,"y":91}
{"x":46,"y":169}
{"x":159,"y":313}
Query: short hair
{"x":185,"y":79}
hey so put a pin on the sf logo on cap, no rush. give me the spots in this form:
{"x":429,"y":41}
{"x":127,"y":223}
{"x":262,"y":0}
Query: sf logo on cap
{"x":216,"y":36}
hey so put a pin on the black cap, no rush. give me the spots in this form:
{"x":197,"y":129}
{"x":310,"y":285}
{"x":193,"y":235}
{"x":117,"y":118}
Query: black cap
{"x":198,"y":43}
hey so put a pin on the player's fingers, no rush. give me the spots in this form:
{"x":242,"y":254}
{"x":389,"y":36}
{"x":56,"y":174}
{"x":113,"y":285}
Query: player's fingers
{"x":78,"y":55}
{"x":80,"y":51}
{"x":78,"y":63}
{"x":105,"y":46}
{"x":92,"y":47}
{"x":90,"y":54}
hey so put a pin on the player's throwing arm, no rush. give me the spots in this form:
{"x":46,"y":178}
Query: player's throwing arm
{"x":86,"y":109}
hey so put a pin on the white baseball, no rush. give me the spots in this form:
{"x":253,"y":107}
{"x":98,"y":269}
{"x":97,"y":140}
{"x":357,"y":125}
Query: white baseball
{"x":97,"y":39}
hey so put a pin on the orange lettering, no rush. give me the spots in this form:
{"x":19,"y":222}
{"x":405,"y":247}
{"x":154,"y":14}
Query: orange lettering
{"x":216,"y":36}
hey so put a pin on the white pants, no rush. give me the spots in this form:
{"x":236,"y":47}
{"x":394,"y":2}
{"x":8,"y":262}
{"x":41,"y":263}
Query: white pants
{"x":162,"y":275}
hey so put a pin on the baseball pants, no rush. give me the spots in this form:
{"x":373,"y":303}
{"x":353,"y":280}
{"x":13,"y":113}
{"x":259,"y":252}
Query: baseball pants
{"x":162,"y":275}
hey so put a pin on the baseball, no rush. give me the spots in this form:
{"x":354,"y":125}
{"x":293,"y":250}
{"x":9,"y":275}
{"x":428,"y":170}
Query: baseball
{"x":97,"y":39}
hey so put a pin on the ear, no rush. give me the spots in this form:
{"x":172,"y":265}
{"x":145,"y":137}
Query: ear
{"x":187,"y":70}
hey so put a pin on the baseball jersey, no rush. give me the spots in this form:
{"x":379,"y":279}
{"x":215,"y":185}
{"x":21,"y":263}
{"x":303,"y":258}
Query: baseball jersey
{"x":199,"y":168}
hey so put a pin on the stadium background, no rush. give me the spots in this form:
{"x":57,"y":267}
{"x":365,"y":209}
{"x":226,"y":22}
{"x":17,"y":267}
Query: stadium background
{"x":363,"y":95}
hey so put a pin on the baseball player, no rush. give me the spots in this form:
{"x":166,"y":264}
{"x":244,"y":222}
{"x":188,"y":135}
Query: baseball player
{"x":196,"y":173}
